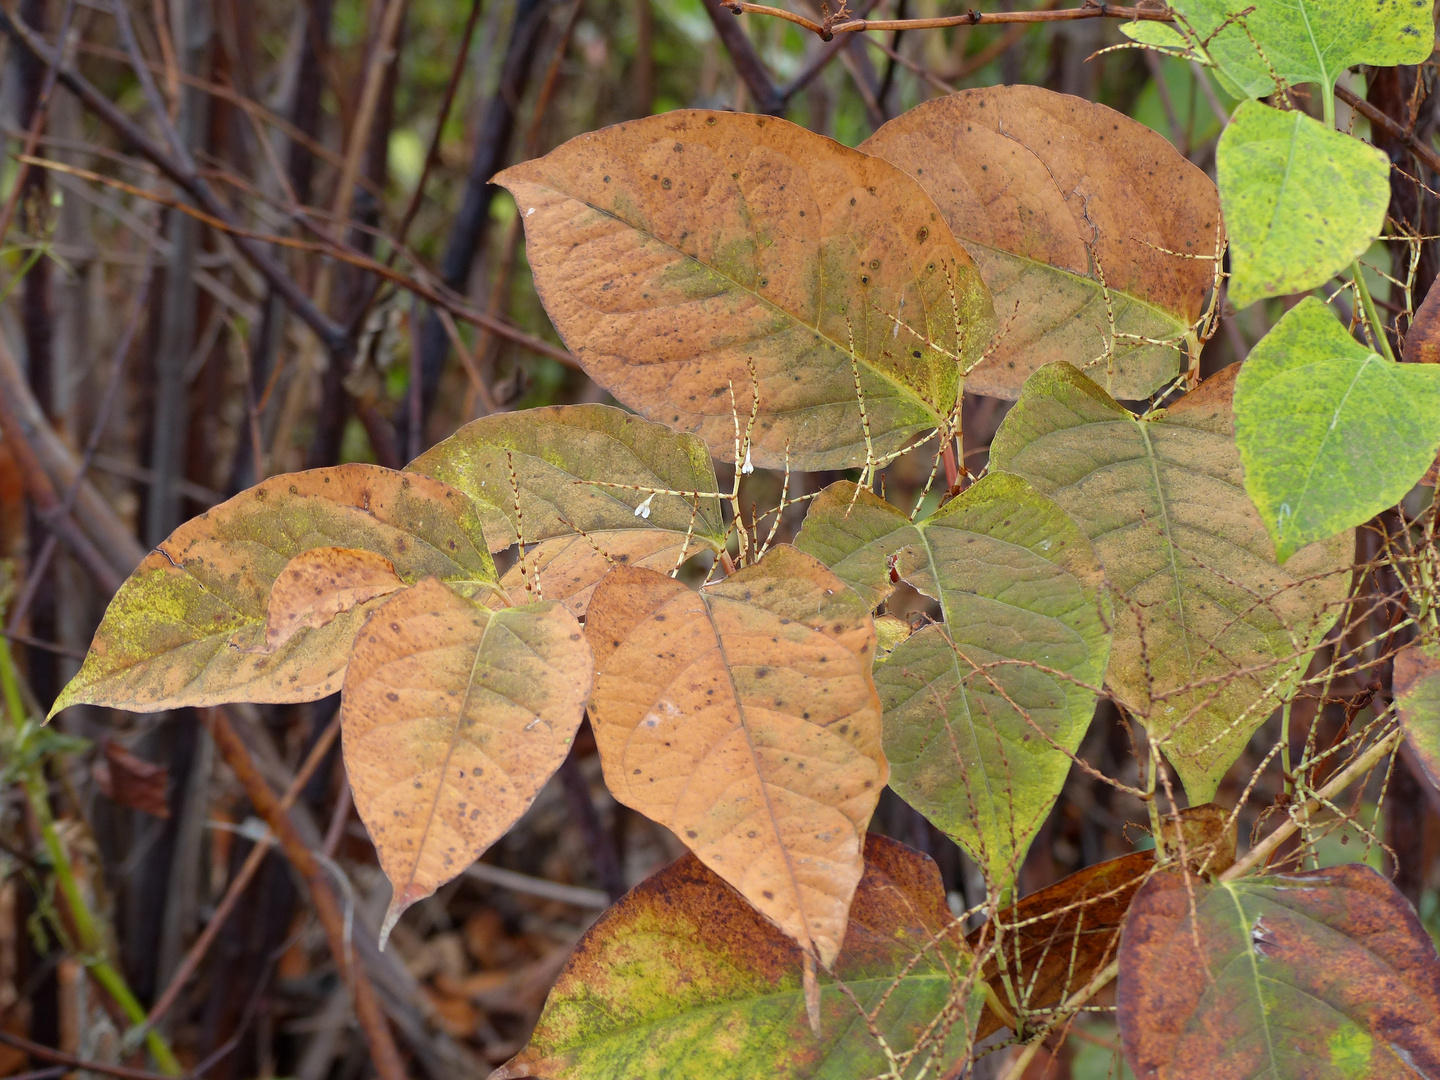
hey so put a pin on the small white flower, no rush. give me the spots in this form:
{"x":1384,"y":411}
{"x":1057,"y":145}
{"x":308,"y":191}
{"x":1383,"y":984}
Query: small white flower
{"x":643,"y":510}
{"x":747,"y":468}
{"x":530,"y":211}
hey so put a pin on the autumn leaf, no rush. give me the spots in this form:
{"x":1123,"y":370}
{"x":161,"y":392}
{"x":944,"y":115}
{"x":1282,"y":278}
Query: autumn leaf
{"x":744,"y":719}
{"x":319,"y":584}
{"x":676,"y":251}
{"x":454,"y":718}
{"x":188,"y":626}
{"x":1210,"y":634}
{"x":681,"y":975}
{"x":1095,"y":236}
{"x":1323,"y":973}
{"x":1417,"y":701}
{"x":591,"y":484}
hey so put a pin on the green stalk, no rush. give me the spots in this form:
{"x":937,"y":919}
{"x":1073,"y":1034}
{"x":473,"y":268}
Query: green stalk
{"x":91,"y":939}
{"x":1328,"y":98}
{"x":1377,"y":328}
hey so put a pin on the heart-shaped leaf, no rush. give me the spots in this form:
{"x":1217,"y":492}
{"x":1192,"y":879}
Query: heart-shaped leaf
{"x":1293,"y":976}
{"x":1311,"y":404}
{"x":454,"y":718}
{"x":188,"y":626}
{"x":1096,"y":237}
{"x":1301,"y":201}
{"x":744,"y":719}
{"x":677,"y":253}
{"x":1210,"y":633}
{"x":1417,"y":700}
{"x":681,"y":978}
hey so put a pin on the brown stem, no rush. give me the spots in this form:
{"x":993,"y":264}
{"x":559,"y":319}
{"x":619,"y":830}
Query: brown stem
{"x":383,"y":1051}
{"x":827,"y":29}
{"x":45,"y":1053}
{"x":747,"y":62}
{"x":1375,"y":116}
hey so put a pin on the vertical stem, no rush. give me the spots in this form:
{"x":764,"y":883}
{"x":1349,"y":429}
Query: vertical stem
{"x":1329,"y":100}
{"x":1377,"y":328}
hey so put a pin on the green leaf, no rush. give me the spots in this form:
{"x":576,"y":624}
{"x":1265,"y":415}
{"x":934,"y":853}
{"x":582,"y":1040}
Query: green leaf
{"x":1301,"y":201}
{"x":982,"y":714}
{"x":188,"y":626}
{"x":1210,"y":634}
{"x":1291,"y":977}
{"x":536,"y":472}
{"x":1308,"y":41}
{"x":854,"y":532}
{"x":682,"y":980}
{"x":1311,"y":407}
{"x":1417,"y":700}
{"x":1159,"y":36}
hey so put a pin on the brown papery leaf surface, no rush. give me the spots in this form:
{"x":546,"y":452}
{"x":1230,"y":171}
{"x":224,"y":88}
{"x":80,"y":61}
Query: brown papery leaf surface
{"x":674,"y":252}
{"x":744,"y":718}
{"x":455,"y":716}
{"x":1086,"y":225}
{"x":317,"y":585}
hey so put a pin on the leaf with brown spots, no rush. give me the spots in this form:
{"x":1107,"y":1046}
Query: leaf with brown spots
{"x":319,"y":584}
{"x":548,"y":473}
{"x":1053,"y":942}
{"x":1096,"y":237}
{"x":744,"y":719}
{"x":682,"y":981}
{"x":188,"y":626}
{"x":1300,"y":976}
{"x":454,"y":718}
{"x":674,"y":252}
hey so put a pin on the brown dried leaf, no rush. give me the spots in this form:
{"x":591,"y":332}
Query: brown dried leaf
{"x":319,"y":584}
{"x":744,"y":718}
{"x":569,"y":567}
{"x":1052,"y":194}
{"x":1327,"y":973}
{"x":674,"y":251}
{"x":1422,"y":340}
{"x":129,"y":780}
{"x":454,"y":717}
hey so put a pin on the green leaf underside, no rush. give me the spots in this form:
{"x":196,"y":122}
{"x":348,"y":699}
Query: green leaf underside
{"x":186,"y":628}
{"x":1156,"y":35}
{"x":1311,"y":405}
{"x":1308,"y":41}
{"x":681,"y":977}
{"x":1417,"y":700}
{"x":1018,"y":583}
{"x":670,"y":253}
{"x":1301,"y":201}
{"x":1163,"y":504}
{"x":554,"y":452}
{"x":1325,"y":975}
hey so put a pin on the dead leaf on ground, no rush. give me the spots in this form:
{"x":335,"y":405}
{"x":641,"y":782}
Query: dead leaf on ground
{"x":129,"y":780}
{"x":744,"y":719}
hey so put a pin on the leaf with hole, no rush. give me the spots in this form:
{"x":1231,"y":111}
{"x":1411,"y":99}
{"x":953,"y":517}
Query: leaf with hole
{"x":676,"y":251}
{"x":681,"y":977}
{"x":1096,"y":237}
{"x":188,"y":626}
{"x":1417,"y":701}
{"x":580,"y":480}
{"x":1306,"y":41}
{"x":1210,"y":634}
{"x":1302,"y":201}
{"x":1311,"y":404}
{"x":1327,"y":973}
{"x":454,"y":718}
{"x":744,"y":719}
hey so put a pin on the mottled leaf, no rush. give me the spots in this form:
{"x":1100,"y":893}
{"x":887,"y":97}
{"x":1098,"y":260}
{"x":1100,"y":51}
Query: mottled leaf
{"x":1301,"y":201}
{"x":1307,"y":41}
{"x":1210,"y":633}
{"x":319,"y":584}
{"x":682,"y":981}
{"x":567,"y":568}
{"x":1417,"y":700}
{"x":674,"y":252}
{"x":1324,"y":975}
{"x":1062,"y":201}
{"x":855,"y":533}
{"x":744,"y":719}
{"x":454,"y":718}
{"x":188,"y":626}
{"x":1311,"y":406}
{"x":1422,"y":339}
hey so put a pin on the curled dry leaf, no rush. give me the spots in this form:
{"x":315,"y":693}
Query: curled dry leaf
{"x":454,"y":718}
{"x":681,"y":976}
{"x":319,"y":584}
{"x":744,"y":719}
{"x":129,"y":780}
{"x":675,"y":252}
{"x":1327,"y":973}
{"x":1091,"y":230}
{"x":187,"y":627}
{"x":1210,"y":633}
{"x":1417,"y":700}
